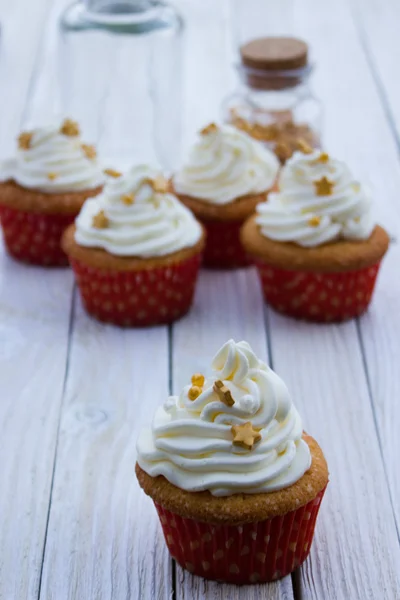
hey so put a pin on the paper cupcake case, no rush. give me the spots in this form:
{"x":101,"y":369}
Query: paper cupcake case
{"x":34,"y":237}
{"x":321,"y":297}
{"x":223,"y":247}
{"x":138,"y":298}
{"x":251,"y":553}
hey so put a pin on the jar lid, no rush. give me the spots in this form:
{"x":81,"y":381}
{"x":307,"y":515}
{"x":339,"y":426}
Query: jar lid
{"x":275,"y":53}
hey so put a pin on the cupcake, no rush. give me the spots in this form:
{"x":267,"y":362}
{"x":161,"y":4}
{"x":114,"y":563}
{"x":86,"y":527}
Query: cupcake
{"x":236,"y":482}
{"x":135,"y":251}
{"x":316,"y":244}
{"x":42,"y":190}
{"x":227,"y":174}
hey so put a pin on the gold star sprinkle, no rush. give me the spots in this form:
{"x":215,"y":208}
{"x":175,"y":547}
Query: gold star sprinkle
{"x":211,"y":128}
{"x":24,"y":140}
{"x":89,"y":151}
{"x":245,"y":435}
{"x":194,"y":392}
{"x":128,"y":198}
{"x":314,"y":221}
{"x":323,"y":158}
{"x":70,"y":128}
{"x":323,"y":186}
{"x":112,"y":173}
{"x":223,"y":393}
{"x":198,"y":379}
{"x":52,"y":176}
{"x":303,"y":147}
{"x":100,"y":221}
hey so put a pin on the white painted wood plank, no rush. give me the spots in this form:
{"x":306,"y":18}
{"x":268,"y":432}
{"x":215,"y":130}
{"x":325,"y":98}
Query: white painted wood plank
{"x":34,"y":318}
{"x":34,"y":322}
{"x":104,"y":540}
{"x":378,"y":29}
{"x":227,"y":305}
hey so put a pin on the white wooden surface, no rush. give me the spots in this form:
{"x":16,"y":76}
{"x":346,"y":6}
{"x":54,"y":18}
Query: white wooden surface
{"x":74,"y":393}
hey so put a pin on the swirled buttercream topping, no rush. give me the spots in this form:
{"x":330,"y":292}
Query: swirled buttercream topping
{"x":318,"y":202}
{"x":226,"y":164}
{"x":203,"y":441}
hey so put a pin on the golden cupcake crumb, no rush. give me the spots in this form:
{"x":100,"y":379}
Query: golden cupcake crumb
{"x":211,"y":128}
{"x":89,"y":151}
{"x":194,"y":392}
{"x":70,"y":128}
{"x":100,"y":221}
{"x":52,"y":176}
{"x":223,"y":393}
{"x":314,"y":221}
{"x":128,"y":198}
{"x":112,"y":173}
{"x":198,"y":379}
{"x":24,"y":140}
{"x":245,"y":435}
{"x":323,"y":186}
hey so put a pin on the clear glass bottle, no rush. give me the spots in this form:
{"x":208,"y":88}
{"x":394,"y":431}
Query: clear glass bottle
{"x":273,"y":102}
{"x":120,"y":78}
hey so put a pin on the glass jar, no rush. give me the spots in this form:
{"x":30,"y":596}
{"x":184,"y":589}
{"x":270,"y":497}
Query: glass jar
{"x":273,"y":102}
{"x":120,"y":78}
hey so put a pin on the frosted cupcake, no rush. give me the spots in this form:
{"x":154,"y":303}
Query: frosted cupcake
{"x":43,"y":189}
{"x":316,"y":244}
{"x":135,"y":250}
{"x":235,"y":481}
{"x":226,"y":175}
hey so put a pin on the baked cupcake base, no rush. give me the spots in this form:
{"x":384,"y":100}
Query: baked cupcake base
{"x":244,"y":538}
{"x":222,"y":223}
{"x":134,"y":292}
{"x":33,"y":222}
{"x":329,"y":283}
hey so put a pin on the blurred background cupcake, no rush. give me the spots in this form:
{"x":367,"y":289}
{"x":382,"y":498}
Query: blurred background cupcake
{"x":316,"y":244}
{"x":226,"y":175}
{"x":135,"y":250}
{"x":236,"y":483}
{"x":42,"y":190}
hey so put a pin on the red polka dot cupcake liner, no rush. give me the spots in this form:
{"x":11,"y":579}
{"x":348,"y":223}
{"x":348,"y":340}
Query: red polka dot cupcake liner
{"x":138,"y":298}
{"x":320,"y":297}
{"x":35,"y":237}
{"x":251,"y":553}
{"x":223,"y":247}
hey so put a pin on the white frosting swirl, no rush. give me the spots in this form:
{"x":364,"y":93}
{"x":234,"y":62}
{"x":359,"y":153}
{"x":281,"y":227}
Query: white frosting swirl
{"x":53,"y":163}
{"x":226,"y":164}
{"x":153,"y":224}
{"x":191,"y":442}
{"x":298,"y":214}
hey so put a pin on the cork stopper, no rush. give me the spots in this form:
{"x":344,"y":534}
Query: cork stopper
{"x":275,"y":53}
{"x":274,"y":63}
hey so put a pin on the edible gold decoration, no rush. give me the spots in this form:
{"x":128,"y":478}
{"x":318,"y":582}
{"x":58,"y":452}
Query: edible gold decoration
{"x":198,"y":379}
{"x":100,"y":221}
{"x":223,"y":393}
{"x":245,"y":435}
{"x":194,"y":392}
{"x":211,"y":128}
{"x":314,"y":221}
{"x":323,"y":186}
{"x":112,"y":173}
{"x":24,"y":140}
{"x":323,"y":158}
{"x":128,"y":198}
{"x":52,"y":176}
{"x":89,"y":151}
{"x":70,"y":128}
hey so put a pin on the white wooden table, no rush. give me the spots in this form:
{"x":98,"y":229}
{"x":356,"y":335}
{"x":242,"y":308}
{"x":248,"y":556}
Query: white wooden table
{"x":74,"y":393}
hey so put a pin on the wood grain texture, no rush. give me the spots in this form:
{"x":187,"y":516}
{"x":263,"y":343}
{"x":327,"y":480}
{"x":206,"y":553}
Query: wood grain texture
{"x":104,"y":541}
{"x":227,"y":305}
